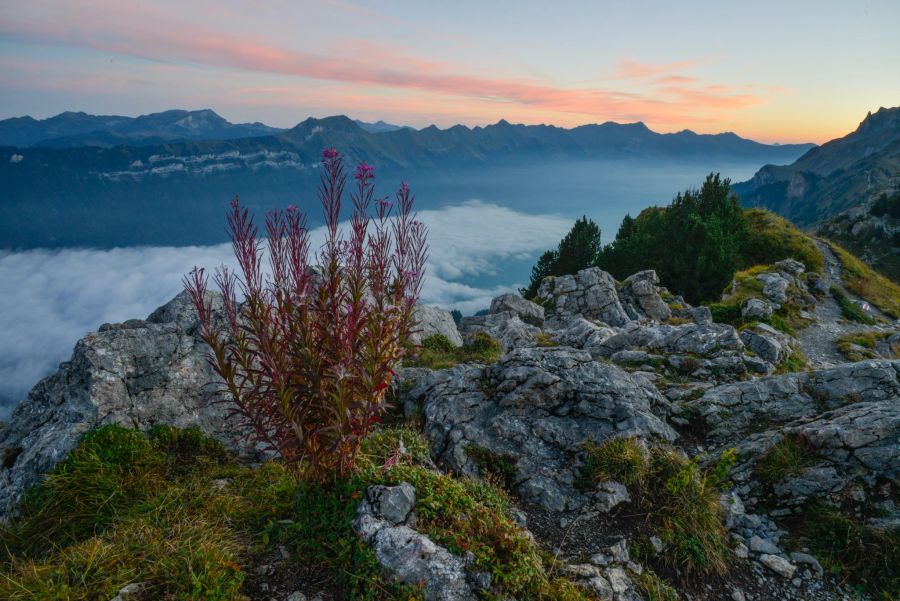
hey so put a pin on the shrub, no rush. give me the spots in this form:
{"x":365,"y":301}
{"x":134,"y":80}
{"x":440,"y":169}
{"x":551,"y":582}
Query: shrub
{"x":307,"y":359}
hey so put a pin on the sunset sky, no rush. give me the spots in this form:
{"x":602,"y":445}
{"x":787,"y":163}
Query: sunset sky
{"x":784,"y":71}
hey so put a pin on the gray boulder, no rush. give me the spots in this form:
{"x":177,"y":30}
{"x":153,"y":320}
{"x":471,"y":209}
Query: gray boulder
{"x":432,"y":320}
{"x":591,"y":292}
{"x":506,"y":327}
{"x":537,"y":406}
{"x":529,"y":312}
{"x":382,"y":522}
{"x":641,"y":288}
{"x":135,"y":374}
{"x":767,"y":342}
{"x":756,"y":308}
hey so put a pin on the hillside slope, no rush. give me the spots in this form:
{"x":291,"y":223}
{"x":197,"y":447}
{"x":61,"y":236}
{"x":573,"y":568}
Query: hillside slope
{"x":831,"y":178}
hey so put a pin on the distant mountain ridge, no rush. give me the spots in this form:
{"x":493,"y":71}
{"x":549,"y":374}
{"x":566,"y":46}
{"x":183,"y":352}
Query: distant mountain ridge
{"x":172,"y":192}
{"x":833,"y":177}
{"x":71,"y":129}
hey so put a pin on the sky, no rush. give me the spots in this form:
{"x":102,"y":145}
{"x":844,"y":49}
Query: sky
{"x":775,"y":71}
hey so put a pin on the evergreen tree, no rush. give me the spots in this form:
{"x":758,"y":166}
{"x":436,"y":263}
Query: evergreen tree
{"x":579,"y":250}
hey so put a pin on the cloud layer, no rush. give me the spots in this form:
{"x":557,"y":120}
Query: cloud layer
{"x":53,"y":298}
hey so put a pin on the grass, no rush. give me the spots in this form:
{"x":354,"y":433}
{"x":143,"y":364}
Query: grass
{"x":788,"y":457}
{"x":851,"y":549}
{"x":652,"y":587}
{"x":676,"y":497}
{"x":858,"y":346}
{"x":849,"y":309}
{"x":771,"y":238}
{"x":794,"y":363}
{"x":128,"y":507}
{"x":437,"y":352}
{"x":545,"y":340}
{"x":624,"y":460}
{"x":865,"y":282}
{"x":745,"y":286}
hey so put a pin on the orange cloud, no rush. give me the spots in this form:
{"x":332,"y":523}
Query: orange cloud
{"x":667,"y":98}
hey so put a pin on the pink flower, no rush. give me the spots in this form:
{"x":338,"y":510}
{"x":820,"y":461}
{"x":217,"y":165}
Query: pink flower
{"x":364,"y":171}
{"x":387,"y":204}
{"x":330,"y":154}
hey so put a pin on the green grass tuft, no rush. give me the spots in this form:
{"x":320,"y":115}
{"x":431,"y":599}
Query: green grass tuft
{"x":175,"y":511}
{"x":437,"y":352}
{"x":851,"y":549}
{"x":865,"y":282}
{"x":788,"y":457}
{"x":678,"y":498}
{"x":859,"y":346}
{"x":849,"y":309}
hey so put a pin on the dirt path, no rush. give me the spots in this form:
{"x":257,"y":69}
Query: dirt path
{"x":818,"y":341}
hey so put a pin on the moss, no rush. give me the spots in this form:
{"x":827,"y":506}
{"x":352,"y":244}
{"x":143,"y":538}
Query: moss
{"x":678,"y":321}
{"x":849,"y":309}
{"x":788,"y":457}
{"x":437,"y":352}
{"x":851,"y":549}
{"x":865,"y":282}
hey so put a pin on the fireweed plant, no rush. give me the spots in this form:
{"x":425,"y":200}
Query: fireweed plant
{"x":307,"y":358}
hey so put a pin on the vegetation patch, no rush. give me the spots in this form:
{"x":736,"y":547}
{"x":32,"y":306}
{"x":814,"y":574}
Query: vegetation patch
{"x":849,"y":548}
{"x":678,"y":498}
{"x":788,"y":457}
{"x":858,"y":346}
{"x":771,"y":238}
{"x":652,"y":587}
{"x":437,"y":352}
{"x":849,"y":309}
{"x":795,"y":362}
{"x":176,"y":512}
{"x":545,"y":340}
{"x":493,"y":466}
{"x":865,"y":282}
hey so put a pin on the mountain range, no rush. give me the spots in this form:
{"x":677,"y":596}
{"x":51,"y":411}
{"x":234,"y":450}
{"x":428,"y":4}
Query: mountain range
{"x":833,"y":177}
{"x":163,"y":178}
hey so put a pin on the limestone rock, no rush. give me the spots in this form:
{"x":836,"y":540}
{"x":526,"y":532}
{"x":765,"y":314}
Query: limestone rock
{"x":529,"y":312}
{"x":537,"y":406}
{"x":135,"y":374}
{"x":432,"y":320}
{"x":411,"y":557}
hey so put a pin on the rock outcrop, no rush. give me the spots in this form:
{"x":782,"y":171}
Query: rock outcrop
{"x":535,"y":408}
{"x":135,"y":374}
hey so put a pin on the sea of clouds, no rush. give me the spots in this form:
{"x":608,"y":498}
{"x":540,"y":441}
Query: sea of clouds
{"x":52,"y":298}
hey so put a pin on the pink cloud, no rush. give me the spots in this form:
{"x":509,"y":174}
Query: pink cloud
{"x":141,"y":32}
